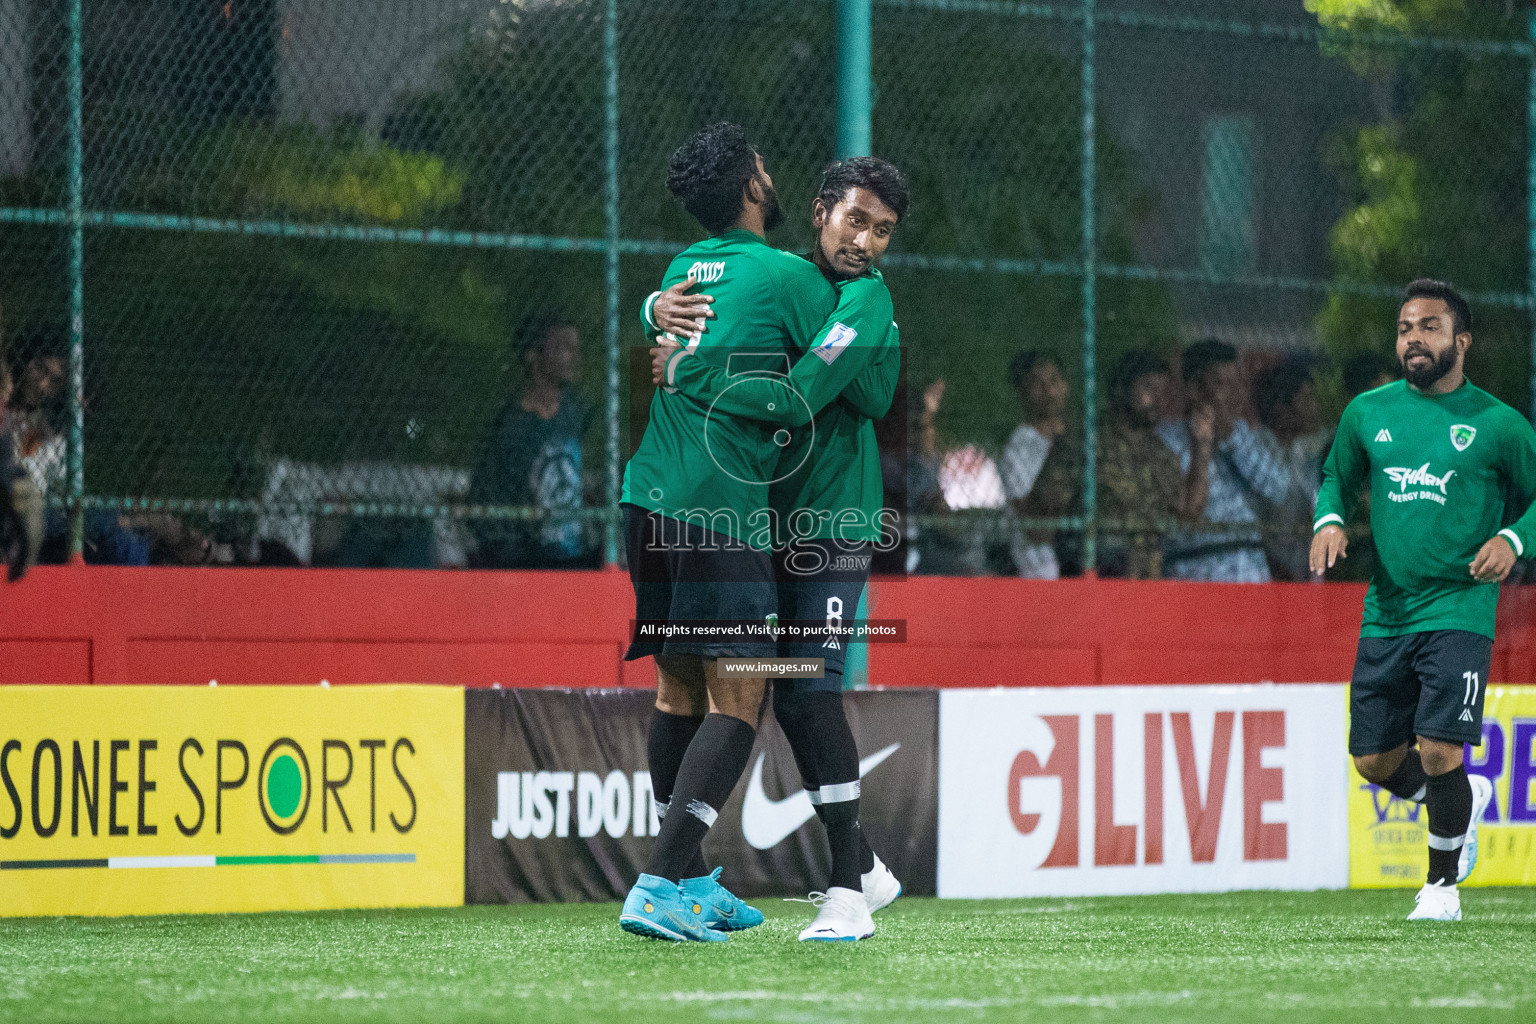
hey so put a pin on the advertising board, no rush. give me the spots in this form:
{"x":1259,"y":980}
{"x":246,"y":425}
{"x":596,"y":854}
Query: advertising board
{"x":160,"y":799}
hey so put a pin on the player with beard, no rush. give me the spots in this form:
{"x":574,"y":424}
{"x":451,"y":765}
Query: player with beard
{"x":694,"y":499}
{"x":1450,"y":468}
{"x":828,"y":497}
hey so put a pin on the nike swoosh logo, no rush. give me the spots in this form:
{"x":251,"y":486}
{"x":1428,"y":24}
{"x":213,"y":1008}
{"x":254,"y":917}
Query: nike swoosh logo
{"x":766,"y":823}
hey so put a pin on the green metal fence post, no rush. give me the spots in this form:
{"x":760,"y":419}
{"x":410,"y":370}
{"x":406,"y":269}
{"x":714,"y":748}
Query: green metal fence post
{"x":853,"y":83}
{"x":1530,"y":191}
{"x":76,"y":225}
{"x":611,"y":268}
{"x":1090,"y":305}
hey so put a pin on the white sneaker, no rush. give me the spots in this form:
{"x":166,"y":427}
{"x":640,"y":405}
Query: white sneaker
{"x":843,"y":917}
{"x":1482,"y":792}
{"x":1436,"y":902}
{"x":880,"y":886}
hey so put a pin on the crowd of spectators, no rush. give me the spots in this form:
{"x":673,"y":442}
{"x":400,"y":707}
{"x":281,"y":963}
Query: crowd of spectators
{"x":530,"y":457}
{"x":1207,"y":470}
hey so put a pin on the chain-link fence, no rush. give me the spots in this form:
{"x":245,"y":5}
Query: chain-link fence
{"x":271,"y":267}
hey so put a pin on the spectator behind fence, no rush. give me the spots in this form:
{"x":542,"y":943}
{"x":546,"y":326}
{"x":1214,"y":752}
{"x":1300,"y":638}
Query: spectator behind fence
{"x":1290,"y":424}
{"x":532,"y":456}
{"x":1367,"y":371}
{"x":944,"y":481}
{"x":20,"y":515}
{"x":1031,"y":490}
{"x":40,"y":447}
{"x":1363,"y":371}
{"x":1140,"y":482}
{"x":1230,"y":474}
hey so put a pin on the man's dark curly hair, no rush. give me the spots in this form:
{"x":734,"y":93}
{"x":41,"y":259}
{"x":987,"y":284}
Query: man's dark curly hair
{"x":709,"y":173}
{"x":880,"y":177}
{"x":1203,"y":355}
{"x":1429,"y":288}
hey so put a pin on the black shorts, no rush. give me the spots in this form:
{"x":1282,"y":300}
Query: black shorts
{"x":820,"y":581}
{"x":1418,"y":684}
{"x":683,"y":572}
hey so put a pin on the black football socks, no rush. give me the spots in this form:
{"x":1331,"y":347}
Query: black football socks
{"x":665,"y":746}
{"x":1409,"y":781}
{"x":1449,"y":799}
{"x":710,"y":770}
{"x":817,"y":729}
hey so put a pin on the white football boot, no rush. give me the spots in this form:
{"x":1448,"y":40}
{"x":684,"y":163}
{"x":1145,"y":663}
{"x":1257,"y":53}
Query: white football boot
{"x":880,"y":886}
{"x":843,"y":917}
{"x":1482,"y":792}
{"x":1436,"y":902}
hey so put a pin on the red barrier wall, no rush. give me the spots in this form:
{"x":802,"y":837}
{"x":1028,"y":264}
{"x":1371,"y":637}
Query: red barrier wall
{"x":112,"y":625}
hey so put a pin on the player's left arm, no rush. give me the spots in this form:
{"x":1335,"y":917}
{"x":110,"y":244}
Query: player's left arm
{"x":1517,"y":467}
{"x":848,"y":342}
{"x":870,"y":393}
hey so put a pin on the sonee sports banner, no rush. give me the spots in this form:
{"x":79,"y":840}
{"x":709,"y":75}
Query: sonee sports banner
{"x":159,"y":800}
{"x":1388,"y":837}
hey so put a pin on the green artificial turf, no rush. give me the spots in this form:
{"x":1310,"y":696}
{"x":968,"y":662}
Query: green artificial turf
{"x":1335,"y":957}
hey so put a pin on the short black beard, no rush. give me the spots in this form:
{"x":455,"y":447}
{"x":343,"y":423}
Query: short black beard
{"x":1438,"y":367}
{"x":773,"y":213}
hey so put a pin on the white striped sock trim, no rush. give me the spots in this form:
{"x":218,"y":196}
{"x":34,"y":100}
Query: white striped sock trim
{"x":1418,"y":797}
{"x":672,"y":366}
{"x":645,"y":311}
{"x":661,"y":809}
{"x":1446,"y":842}
{"x":1514,"y":541}
{"x":840,"y":793}
{"x":1331,"y":517}
{"x":705,"y":813}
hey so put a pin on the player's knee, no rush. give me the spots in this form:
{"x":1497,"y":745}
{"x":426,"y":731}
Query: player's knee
{"x":739,"y":696}
{"x":1378,"y":768}
{"x":678,"y":694}
{"x":1439,"y":757}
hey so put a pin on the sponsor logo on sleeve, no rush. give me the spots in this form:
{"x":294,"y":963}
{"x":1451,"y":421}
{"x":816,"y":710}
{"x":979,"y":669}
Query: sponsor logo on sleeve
{"x":837,"y":339}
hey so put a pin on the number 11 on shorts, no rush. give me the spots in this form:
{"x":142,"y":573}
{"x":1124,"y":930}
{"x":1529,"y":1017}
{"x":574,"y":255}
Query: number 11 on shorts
{"x":1472,"y":681}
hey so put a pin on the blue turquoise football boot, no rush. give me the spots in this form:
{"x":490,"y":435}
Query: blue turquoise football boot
{"x":722,"y":910}
{"x":657,"y":909}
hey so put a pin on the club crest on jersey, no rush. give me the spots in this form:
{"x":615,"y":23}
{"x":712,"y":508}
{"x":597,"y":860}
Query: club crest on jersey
{"x":1461,"y":436}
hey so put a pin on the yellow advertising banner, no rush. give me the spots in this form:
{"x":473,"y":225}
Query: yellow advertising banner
{"x":162,"y":799}
{"x":1388,"y":836}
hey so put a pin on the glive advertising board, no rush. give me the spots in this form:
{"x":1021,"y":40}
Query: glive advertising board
{"x":1388,"y":836}
{"x":1145,"y":789}
{"x":150,"y":800}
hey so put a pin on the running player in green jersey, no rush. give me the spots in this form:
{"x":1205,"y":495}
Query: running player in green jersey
{"x":828,"y":497}
{"x":692,"y":493}
{"x":1452,"y":475}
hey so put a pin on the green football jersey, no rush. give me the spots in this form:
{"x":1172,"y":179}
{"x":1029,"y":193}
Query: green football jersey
{"x":1446,"y":472}
{"x":700,"y":465}
{"x":828,"y":480}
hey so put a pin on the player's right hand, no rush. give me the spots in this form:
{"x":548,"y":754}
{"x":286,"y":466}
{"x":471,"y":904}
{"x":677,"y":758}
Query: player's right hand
{"x":659,"y":356}
{"x":679,"y":313}
{"x":1328,"y":546}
